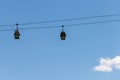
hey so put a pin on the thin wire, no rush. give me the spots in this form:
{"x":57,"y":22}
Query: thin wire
{"x":7,"y":25}
{"x":107,"y":21}
{"x":69,"y":25}
{"x":71,"y":19}
{"x":6,"y":30}
{"x":40,"y":27}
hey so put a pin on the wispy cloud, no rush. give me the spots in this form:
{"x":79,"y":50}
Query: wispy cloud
{"x":108,"y":64}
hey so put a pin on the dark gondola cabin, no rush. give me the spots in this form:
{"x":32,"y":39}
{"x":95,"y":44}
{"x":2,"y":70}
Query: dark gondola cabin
{"x":17,"y":34}
{"x":62,"y":34}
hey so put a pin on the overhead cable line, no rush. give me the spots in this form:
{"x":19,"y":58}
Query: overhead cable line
{"x":69,"y":25}
{"x":62,"y":34}
{"x":70,"y":19}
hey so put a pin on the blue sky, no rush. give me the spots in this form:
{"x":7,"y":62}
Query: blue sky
{"x":88,"y":53}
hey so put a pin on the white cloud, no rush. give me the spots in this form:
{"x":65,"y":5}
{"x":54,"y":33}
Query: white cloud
{"x":107,"y":64}
{"x":103,"y":68}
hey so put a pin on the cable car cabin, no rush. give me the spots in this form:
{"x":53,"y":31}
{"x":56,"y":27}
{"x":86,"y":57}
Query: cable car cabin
{"x":17,"y":34}
{"x":63,"y":35}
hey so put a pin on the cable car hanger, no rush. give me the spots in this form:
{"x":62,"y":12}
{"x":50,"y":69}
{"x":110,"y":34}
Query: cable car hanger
{"x":17,"y":33}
